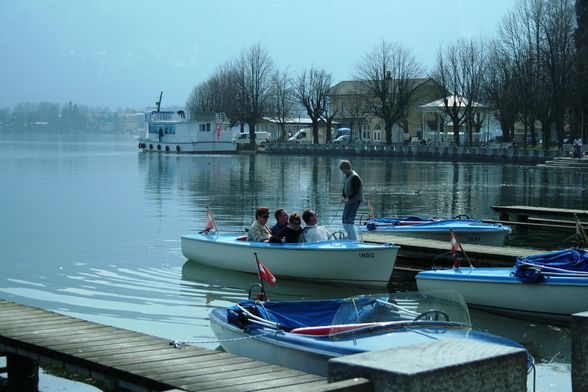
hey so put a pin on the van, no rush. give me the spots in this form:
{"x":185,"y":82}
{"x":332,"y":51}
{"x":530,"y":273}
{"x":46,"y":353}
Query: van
{"x":260,"y":138}
{"x":302,"y":136}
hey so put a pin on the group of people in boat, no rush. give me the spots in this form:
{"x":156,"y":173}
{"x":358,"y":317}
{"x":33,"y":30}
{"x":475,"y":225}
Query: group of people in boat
{"x":288,"y":227}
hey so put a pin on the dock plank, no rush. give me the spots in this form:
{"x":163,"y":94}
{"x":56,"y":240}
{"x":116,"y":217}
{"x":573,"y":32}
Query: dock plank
{"x":133,"y":358}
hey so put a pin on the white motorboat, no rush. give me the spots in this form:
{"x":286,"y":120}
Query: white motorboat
{"x":180,"y":132}
{"x":304,"y":335}
{"x":469,"y":231}
{"x":550,"y":286}
{"x":341,"y":261}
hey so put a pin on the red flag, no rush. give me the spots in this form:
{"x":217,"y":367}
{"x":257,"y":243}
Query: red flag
{"x":454,"y":243}
{"x":218,"y":129}
{"x":265,"y":274}
{"x":211,"y":224}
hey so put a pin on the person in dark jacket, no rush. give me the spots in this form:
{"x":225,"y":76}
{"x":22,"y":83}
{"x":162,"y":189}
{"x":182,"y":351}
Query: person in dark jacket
{"x":352,"y":196}
{"x":293,"y":230}
{"x":281,"y":221}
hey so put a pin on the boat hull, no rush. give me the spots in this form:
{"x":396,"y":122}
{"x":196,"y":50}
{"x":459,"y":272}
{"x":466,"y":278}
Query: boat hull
{"x":556,"y":298}
{"x":204,"y":147}
{"x":331,"y":261}
{"x":468,"y":232}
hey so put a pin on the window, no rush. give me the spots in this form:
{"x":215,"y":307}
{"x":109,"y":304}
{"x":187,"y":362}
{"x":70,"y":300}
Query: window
{"x":202,"y":127}
{"x":207,"y":127}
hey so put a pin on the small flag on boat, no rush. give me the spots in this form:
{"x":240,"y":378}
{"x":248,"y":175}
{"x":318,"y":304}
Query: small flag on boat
{"x":218,"y":129}
{"x":264,"y":273}
{"x":454,"y":243}
{"x":211,"y":224}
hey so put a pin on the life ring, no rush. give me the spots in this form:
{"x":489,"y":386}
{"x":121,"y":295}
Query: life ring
{"x":178,"y":149}
{"x":151,"y":146}
{"x":166,"y":148}
{"x":159,"y":147}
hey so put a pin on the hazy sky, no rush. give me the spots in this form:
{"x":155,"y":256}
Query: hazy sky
{"x":121,"y":53}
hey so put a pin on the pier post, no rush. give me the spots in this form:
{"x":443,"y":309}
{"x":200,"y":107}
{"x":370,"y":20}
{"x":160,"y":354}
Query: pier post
{"x":445,"y":365}
{"x":580,"y":351}
{"x":23,"y":373}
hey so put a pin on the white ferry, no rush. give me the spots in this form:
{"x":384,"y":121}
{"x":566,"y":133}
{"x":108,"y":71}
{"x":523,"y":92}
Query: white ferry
{"x":204,"y":132}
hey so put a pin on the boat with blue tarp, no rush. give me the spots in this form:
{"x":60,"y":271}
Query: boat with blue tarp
{"x":550,"y":286}
{"x":469,"y":231}
{"x":304,"y":335}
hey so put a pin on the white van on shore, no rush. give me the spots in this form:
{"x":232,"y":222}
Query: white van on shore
{"x":302,"y":136}
{"x":260,"y":138}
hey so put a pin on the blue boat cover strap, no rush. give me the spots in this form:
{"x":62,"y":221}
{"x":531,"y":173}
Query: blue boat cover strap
{"x":533,"y":269}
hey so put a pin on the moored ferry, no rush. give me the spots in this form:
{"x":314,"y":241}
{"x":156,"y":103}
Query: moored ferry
{"x":202,"y":132}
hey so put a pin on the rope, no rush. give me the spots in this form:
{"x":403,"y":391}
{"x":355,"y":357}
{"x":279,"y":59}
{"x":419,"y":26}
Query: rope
{"x":182,"y":344}
{"x":336,"y":213}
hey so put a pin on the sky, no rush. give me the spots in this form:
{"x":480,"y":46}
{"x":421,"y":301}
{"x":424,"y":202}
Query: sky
{"x":122,"y":53}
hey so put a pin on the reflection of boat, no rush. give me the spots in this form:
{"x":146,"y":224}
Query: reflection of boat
{"x":304,"y":334}
{"x":342,"y":261}
{"x":205,"y":132}
{"x":468,"y":231}
{"x":552,"y":285}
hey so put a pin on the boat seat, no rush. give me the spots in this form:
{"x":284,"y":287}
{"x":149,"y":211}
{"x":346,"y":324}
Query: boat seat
{"x":242,"y":238}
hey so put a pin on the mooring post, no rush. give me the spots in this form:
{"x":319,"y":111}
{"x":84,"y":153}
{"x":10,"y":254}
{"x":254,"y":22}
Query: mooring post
{"x":443,"y":366}
{"x":580,"y":351}
{"x":23,"y":373}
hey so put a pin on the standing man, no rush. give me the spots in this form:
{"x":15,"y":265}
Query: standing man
{"x":352,"y":197}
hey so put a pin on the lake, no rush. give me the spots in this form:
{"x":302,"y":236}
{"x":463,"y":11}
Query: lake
{"x":90,"y":227}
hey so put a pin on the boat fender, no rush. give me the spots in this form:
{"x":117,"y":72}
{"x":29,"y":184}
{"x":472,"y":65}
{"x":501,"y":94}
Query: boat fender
{"x":371,"y":226}
{"x":166,"y":148}
{"x":159,"y":147}
{"x":141,"y":145}
{"x":151,"y":146}
{"x":178,"y":149}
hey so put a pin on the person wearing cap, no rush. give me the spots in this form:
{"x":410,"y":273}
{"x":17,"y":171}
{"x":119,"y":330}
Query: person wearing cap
{"x":258,"y":231}
{"x":312,"y":232}
{"x":352,"y":195}
{"x":293,"y":230}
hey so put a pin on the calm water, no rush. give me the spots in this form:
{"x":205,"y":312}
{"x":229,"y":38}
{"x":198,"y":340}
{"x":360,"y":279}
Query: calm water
{"x":90,"y":227}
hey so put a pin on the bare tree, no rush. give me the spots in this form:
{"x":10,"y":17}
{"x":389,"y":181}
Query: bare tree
{"x":311,"y":90}
{"x":355,"y":110}
{"x":282,"y":100}
{"x":459,"y":72}
{"x":387,"y":74}
{"x":501,"y":89}
{"x":328,"y":116}
{"x":255,"y":69}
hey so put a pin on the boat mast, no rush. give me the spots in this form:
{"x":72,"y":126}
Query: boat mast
{"x":159,"y":101}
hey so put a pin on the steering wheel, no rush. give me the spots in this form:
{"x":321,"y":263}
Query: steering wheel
{"x":462,"y":216}
{"x":338,"y":235}
{"x":433,"y":314}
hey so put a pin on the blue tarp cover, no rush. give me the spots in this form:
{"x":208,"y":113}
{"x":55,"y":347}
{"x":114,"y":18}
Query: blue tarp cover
{"x":371,"y":224}
{"x":298,"y":314}
{"x":532,"y":269}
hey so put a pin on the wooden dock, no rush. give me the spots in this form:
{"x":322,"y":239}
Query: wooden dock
{"x":424,"y":250}
{"x":120,"y":359}
{"x":528,"y":213}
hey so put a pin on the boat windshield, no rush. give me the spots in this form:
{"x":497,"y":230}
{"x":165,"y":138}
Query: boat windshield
{"x":404,"y":308}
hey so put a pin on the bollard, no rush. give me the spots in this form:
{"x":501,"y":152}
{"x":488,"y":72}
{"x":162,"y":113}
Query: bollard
{"x":23,"y":373}
{"x":580,"y":351}
{"x":441,"y":366}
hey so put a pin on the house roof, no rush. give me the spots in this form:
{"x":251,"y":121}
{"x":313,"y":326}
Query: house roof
{"x":459,"y":101}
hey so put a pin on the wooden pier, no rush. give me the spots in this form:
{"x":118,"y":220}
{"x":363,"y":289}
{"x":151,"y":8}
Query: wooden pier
{"x":425,"y":250}
{"x":542,"y":215}
{"x":125,"y":360}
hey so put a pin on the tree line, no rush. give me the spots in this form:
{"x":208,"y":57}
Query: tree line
{"x":534,"y":73}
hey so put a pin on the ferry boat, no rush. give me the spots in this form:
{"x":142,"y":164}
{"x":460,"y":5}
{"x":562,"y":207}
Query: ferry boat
{"x":202,"y":132}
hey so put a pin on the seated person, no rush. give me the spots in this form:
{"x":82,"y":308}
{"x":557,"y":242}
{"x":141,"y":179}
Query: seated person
{"x":258,"y":231}
{"x":312,"y":232}
{"x":281,"y":222}
{"x":293,"y":230}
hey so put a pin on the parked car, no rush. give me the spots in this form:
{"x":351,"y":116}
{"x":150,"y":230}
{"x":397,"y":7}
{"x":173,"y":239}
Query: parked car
{"x":342,"y":139}
{"x":260,"y":138}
